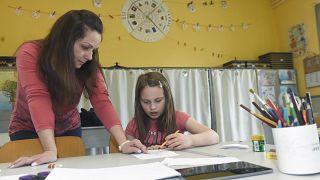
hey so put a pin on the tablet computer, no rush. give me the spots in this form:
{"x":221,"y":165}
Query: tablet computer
{"x":224,"y":171}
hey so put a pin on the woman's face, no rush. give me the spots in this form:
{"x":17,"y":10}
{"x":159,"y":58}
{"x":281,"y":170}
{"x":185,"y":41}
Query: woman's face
{"x":83,"y":48}
{"x":152,"y":101}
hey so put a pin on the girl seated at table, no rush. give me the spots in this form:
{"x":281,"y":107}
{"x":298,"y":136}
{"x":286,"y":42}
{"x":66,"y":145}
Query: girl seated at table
{"x":157,"y":124}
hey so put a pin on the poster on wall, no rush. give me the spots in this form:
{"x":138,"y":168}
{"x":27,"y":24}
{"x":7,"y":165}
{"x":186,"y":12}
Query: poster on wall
{"x":297,"y":40}
{"x":267,"y":78}
{"x":312,"y":71}
{"x":268,"y":92}
{"x":6,"y":99}
{"x":287,"y":76}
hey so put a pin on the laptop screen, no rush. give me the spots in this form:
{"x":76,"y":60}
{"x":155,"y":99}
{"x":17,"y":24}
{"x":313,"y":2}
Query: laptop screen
{"x":224,"y":171}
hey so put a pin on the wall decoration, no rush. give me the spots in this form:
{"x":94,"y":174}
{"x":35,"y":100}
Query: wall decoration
{"x":297,"y":40}
{"x":191,"y":7}
{"x":218,"y":27}
{"x":97,"y":3}
{"x":161,"y":13}
{"x":312,"y":71}
{"x":267,"y":78}
{"x":268,"y":92}
{"x":7,"y":79}
{"x":287,"y":77}
{"x":146,"y":20}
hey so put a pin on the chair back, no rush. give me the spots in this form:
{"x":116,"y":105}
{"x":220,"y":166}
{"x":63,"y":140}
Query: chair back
{"x":67,"y":146}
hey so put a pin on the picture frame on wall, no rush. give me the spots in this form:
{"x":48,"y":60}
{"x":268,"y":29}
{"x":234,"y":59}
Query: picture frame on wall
{"x":287,"y":76}
{"x":312,"y":71}
{"x":8,"y":81}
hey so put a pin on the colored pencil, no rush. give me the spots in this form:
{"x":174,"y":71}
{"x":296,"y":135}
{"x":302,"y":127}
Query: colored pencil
{"x":163,"y":144}
{"x":262,"y":118}
{"x":295,"y":106}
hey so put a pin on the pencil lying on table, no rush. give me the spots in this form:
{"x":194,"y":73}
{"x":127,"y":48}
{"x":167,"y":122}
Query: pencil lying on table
{"x":262,"y":118}
{"x":164,"y":143}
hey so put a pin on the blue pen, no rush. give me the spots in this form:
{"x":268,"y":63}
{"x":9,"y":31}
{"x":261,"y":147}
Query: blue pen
{"x":273,"y":114}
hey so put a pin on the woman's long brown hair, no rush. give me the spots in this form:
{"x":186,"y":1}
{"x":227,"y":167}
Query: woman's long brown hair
{"x":56,"y":59}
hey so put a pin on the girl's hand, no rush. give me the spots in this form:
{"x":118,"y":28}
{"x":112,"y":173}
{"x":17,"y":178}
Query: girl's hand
{"x":45,"y":157}
{"x":178,"y":141}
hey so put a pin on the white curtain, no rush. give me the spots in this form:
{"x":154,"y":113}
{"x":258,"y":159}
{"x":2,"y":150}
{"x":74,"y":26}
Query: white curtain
{"x":230,"y":88}
{"x":121,"y":86}
{"x":211,"y":96}
{"x":190,"y":88}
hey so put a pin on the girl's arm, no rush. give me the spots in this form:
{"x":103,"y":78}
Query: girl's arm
{"x":200,"y":136}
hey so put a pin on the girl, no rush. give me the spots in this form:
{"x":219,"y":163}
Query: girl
{"x":156,"y":120}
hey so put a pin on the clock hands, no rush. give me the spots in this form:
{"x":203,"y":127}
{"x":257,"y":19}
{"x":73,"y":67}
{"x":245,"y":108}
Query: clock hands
{"x":155,"y":25}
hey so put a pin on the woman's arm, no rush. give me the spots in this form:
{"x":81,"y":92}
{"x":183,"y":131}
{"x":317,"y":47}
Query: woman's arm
{"x":47,"y":140}
{"x":127,"y":146}
{"x":200,"y":136}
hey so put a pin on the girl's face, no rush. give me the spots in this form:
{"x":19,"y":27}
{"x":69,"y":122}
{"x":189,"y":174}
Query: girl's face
{"x":152,"y":101}
{"x":83,"y":48}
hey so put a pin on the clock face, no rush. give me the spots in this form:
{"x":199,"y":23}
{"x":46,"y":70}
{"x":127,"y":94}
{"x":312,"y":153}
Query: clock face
{"x":146,"y":20}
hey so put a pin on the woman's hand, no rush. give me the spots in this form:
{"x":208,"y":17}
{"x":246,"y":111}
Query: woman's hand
{"x":45,"y":157}
{"x":134,"y":146}
{"x":154,"y":147}
{"x":178,"y":141}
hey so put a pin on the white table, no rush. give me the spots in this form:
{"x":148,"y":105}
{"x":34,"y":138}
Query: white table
{"x":117,"y":159}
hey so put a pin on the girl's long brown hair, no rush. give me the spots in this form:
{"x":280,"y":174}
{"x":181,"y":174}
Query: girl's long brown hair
{"x":56,"y":59}
{"x":167,"y":121}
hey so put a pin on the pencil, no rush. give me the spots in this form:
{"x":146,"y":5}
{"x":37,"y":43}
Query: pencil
{"x":295,"y":106}
{"x":164,"y":143}
{"x":262,"y":118}
{"x":276,"y":111}
{"x":262,"y":110}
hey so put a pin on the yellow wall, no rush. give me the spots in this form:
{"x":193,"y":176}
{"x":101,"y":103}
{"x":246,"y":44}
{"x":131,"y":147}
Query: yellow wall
{"x":291,"y":13}
{"x":243,"y":44}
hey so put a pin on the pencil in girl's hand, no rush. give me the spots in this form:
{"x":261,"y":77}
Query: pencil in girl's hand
{"x":163,"y":144}
{"x":262,"y":118}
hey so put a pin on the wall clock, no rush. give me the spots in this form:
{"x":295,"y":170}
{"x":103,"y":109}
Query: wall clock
{"x":146,"y":20}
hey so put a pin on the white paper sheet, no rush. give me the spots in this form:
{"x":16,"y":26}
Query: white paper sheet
{"x":235,"y":146}
{"x":153,"y":154}
{"x":142,"y":171}
{"x":198,"y":161}
{"x":12,"y":177}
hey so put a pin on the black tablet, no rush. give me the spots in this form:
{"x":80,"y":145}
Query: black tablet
{"x":224,"y":171}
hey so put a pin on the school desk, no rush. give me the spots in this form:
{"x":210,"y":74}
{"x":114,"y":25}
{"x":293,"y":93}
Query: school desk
{"x":118,"y":159}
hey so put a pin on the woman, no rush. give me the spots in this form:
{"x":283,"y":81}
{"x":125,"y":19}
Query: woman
{"x":157,"y":124}
{"x":52,"y":75}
